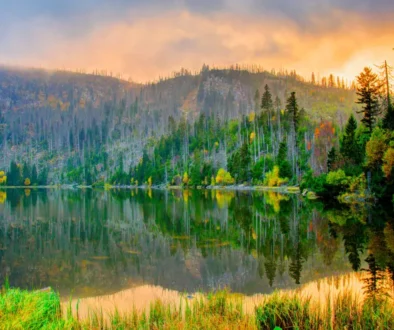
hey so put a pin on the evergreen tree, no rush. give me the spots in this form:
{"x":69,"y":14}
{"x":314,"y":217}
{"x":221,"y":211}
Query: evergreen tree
{"x":368,"y":93}
{"x":266,"y":100}
{"x":43,"y":177}
{"x":349,"y":147}
{"x":295,"y":267}
{"x":331,"y":159}
{"x":293,"y":111}
{"x":284,"y":165}
{"x":34,"y":175}
{"x":196,"y":170}
{"x":14,"y":175}
{"x":388,"y":120}
{"x":373,"y":283}
{"x":270,"y":269}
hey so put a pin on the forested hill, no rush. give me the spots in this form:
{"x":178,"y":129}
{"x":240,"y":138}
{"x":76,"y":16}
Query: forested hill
{"x":85,"y":128}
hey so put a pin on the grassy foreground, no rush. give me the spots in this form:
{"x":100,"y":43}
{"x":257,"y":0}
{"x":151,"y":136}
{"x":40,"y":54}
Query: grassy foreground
{"x":285,"y":310}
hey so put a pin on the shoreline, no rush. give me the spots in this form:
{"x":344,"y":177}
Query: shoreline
{"x":284,"y":190}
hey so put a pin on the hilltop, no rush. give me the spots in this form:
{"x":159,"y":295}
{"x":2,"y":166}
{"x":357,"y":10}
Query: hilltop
{"x":65,"y":120}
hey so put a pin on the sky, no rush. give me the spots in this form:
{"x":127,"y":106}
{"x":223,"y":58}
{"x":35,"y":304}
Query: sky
{"x":147,"y":39}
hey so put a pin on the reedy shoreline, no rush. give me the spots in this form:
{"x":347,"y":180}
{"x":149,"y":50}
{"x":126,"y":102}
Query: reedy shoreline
{"x":331,"y":303}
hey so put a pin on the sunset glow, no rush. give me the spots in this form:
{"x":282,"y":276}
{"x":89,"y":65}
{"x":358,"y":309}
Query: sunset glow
{"x":146,"y":40}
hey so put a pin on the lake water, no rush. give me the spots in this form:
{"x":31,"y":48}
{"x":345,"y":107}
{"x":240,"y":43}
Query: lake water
{"x":90,"y":243}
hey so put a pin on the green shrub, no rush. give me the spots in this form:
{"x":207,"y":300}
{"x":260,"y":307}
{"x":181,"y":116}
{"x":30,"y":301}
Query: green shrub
{"x":284,"y":312}
{"x":314,"y":183}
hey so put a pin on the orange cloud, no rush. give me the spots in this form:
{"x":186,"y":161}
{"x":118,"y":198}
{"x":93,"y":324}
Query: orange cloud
{"x":147,"y":48}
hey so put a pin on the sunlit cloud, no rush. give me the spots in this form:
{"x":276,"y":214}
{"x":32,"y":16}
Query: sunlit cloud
{"x":148,"y":42}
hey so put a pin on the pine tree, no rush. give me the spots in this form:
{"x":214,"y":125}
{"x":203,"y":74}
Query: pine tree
{"x":295,"y":267}
{"x":270,"y":269}
{"x":284,"y":165}
{"x":266,"y":100}
{"x":14,"y":175}
{"x":34,"y":175}
{"x":368,"y":91}
{"x":388,"y":121}
{"x":43,"y":177}
{"x":292,"y":109}
{"x":331,"y":159}
{"x":349,"y":147}
{"x":373,"y":283}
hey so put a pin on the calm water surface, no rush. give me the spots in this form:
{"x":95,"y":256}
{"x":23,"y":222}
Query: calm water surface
{"x":89,"y":242}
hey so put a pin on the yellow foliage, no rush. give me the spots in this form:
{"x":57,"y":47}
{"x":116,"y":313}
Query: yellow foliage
{"x":224,"y":198}
{"x":274,"y":200}
{"x":272,"y":178}
{"x":224,"y":178}
{"x":185,"y":179}
{"x":150,"y":193}
{"x":27,"y":192}
{"x":3,"y":177}
{"x":27,"y":182}
{"x":375,"y":148}
{"x":252,"y":137}
{"x":252,"y":116}
{"x":186,"y":194}
{"x":150,"y":181}
{"x":388,"y":162}
{"x":254,"y":235}
{"x":3,"y":197}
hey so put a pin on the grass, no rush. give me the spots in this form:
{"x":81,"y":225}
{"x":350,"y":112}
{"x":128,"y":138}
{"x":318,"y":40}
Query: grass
{"x":335,"y":304}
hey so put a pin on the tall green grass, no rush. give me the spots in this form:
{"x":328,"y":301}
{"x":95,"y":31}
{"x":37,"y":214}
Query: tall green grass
{"x":30,"y":310}
{"x":222,"y":310}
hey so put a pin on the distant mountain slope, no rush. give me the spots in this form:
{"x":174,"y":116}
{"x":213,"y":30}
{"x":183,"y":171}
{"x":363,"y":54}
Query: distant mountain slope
{"x":61,"y":119}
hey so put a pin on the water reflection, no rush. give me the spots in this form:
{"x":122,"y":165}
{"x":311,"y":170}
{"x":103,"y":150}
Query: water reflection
{"x":97,"y":242}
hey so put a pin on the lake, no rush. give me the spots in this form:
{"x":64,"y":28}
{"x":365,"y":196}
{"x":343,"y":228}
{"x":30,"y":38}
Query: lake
{"x":91,"y":242}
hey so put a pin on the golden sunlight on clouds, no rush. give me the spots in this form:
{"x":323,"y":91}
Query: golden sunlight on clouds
{"x":147,"y":48}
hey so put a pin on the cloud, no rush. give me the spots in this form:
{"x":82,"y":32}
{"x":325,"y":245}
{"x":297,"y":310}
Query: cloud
{"x":150,"y":39}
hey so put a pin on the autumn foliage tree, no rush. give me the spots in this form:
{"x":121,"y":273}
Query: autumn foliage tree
{"x":3,"y":178}
{"x":224,"y":178}
{"x":368,"y":91}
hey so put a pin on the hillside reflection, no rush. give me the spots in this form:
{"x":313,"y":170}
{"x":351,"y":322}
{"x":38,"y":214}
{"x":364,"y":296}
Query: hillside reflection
{"x":97,"y":242}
